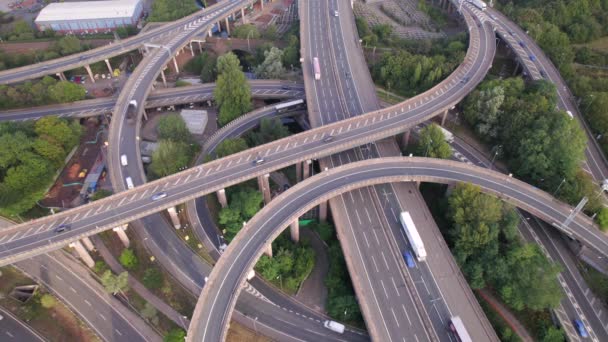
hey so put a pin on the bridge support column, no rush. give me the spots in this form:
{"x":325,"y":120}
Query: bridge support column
{"x":175,"y":65}
{"x":262,"y":4}
{"x":298,"y":171}
{"x":443,"y":117}
{"x":323,"y":211}
{"x":221,"y":197}
{"x":294,"y":229}
{"x":307,"y":168}
{"x":268,"y":250}
{"x":88,"y":243}
{"x":61,"y":76}
{"x":82,"y":252}
{"x":209,"y":33}
{"x":90,"y":72}
{"x":145,"y":115}
{"x":122,"y":235}
{"x":405,"y":140}
{"x":517,"y":65}
{"x":191,"y":50}
{"x":227,"y":26}
{"x":264,"y":187}
{"x":162,"y":75}
{"x":200,"y":47}
{"x":243,"y":19}
{"x":109,"y":66}
{"x":174,"y":219}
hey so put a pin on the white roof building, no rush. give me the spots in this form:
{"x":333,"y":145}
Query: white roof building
{"x":85,"y":10}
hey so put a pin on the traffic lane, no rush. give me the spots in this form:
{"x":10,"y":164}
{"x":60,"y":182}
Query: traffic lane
{"x":13,"y":329}
{"x":261,"y":229}
{"x":86,"y":298}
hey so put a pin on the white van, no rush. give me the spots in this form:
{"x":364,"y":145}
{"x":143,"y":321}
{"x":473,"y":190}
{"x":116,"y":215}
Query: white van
{"x":129,"y":183}
{"x":123,"y":160}
{"x":334,"y":326}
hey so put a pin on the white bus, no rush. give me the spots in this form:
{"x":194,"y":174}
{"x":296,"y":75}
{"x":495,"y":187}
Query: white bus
{"x":283,"y":107}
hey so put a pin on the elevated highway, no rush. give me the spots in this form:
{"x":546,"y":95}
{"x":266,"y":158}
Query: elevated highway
{"x":260,"y":89}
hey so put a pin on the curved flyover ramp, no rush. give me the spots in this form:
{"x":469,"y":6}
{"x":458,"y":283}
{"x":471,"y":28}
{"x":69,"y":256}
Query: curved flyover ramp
{"x":212,"y":314}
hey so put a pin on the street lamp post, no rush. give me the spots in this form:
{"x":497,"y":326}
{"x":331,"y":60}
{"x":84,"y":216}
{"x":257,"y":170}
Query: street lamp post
{"x":559,"y":186}
{"x":494,"y":157}
{"x":255,"y":328}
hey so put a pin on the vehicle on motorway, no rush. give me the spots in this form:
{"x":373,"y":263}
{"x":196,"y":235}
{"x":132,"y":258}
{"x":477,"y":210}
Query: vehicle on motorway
{"x":335,"y":13}
{"x":511,"y":32}
{"x":334,"y":326}
{"x":258,"y":161}
{"x":532,"y":58}
{"x":123,"y":160}
{"x":449,"y":137}
{"x":285,"y":87}
{"x":465,"y":79}
{"x":62,"y":228}
{"x":409,"y":259}
{"x":605,"y":185}
{"x":317,"y":68}
{"x":570,"y":114}
{"x":129,"y":183}
{"x":580,"y":328}
{"x":412,"y":235}
{"x":522,"y":44}
{"x":131,"y":111}
{"x":479,"y":4}
{"x":457,"y":327}
{"x":158,"y":196}
{"x":328,"y":138}
{"x":543,"y":73}
{"x":291,"y":105}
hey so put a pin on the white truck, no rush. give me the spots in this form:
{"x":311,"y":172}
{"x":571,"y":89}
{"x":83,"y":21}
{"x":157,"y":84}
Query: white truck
{"x":334,"y":326}
{"x":412,"y":235}
{"x":479,"y":4}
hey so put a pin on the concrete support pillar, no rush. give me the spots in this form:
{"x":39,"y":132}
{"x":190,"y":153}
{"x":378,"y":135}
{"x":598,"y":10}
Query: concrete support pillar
{"x":405,"y":140}
{"x":227,"y":26}
{"x":162,"y":75}
{"x":517,"y":65}
{"x":261,"y":4}
{"x":294,"y":229}
{"x":61,"y":76}
{"x":200,"y":47}
{"x":268,"y":250}
{"x":323,"y":211}
{"x":146,"y":49}
{"x":90,"y":72}
{"x":109,"y":66}
{"x":221,"y":197}
{"x":145,"y":115}
{"x":122,"y":235}
{"x":88,"y":243}
{"x":264,"y":185}
{"x":191,"y":50}
{"x":175,"y":65}
{"x":243,"y":15}
{"x":82,"y":252}
{"x":307,"y":168}
{"x":174,"y":219}
{"x":443,"y":117}
{"x":209,"y":33}
{"x":298,"y":171}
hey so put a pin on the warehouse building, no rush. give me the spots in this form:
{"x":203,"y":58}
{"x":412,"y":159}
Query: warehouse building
{"x":87,"y":17}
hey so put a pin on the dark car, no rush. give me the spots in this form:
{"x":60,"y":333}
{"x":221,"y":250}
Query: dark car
{"x":62,"y":228}
{"x":409,"y":259}
{"x":532,"y":58}
{"x":285,"y":187}
{"x":285,"y":87}
{"x":465,"y":79}
{"x":543,"y":73}
{"x":522,"y":44}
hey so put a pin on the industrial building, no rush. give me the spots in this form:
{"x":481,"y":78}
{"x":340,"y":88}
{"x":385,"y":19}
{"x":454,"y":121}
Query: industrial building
{"x":87,"y":17}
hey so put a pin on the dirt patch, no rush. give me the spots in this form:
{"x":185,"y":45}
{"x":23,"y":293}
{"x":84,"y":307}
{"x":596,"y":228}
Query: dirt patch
{"x":23,"y":47}
{"x":239,"y":333}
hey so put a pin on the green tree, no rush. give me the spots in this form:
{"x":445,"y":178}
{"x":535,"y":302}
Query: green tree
{"x":48,"y":301}
{"x":269,"y":130}
{"x":246,"y":31}
{"x":169,"y":10}
{"x":150,"y":313}
{"x":58,"y":130}
{"x":553,"y":334}
{"x":173,"y":127}
{"x":230,"y":219}
{"x":432,"y":143}
{"x":596,"y":111}
{"x":602,"y":219}
{"x":67,"y":45}
{"x":153,"y":278}
{"x":22,"y":30}
{"x":271,"y":33}
{"x":128,"y":259}
{"x":101,"y":193}
{"x":272,"y":67}
{"x":247,"y":202}
{"x":50,"y":150}
{"x":232,"y":92}
{"x":230,"y":146}
{"x":291,"y":54}
{"x":114,"y":284}
{"x":65,"y":91}
{"x":169,"y":158}
{"x":175,"y":335}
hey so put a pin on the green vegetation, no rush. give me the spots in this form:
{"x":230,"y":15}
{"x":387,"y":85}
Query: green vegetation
{"x":486,"y":245}
{"x":169,"y":10}
{"x":290,"y":265}
{"x":432,"y":143}
{"x":539,"y":143}
{"x":437,"y":16}
{"x":30,"y":154}
{"x":43,"y":92}
{"x":501,"y":327}
{"x":47,"y":301}
{"x":175,"y":335}
{"x":203,"y":65}
{"x":271,"y":33}
{"x":232,"y":92}
{"x":602,"y":218}
{"x":243,"y":204}
{"x":246,"y":31}
{"x":128,"y":259}
{"x":230,"y":146}
{"x":153,"y":278}
{"x":100,"y":267}
{"x":150,"y":314}
{"x":176,"y":147}
{"x":291,"y":54}
{"x":269,"y":130}
{"x":114,"y":284}
{"x":101,"y":193}
{"x":62,"y":47}
{"x":182,"y":83}
{"x":272,"y":67}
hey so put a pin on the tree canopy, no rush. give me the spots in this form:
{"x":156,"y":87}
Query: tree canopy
{"x":169,"y":158}
{"x":432,"y":143}
{"x":38,"y":93}
{"x":230,"y":146}
{"x":272,"y":67}
{"x":169,"y":10}
{"x":269,"y":130}
{"x":114,"y":284}
{"x":243,"y":204}
{"x":232,"y":92}
{"x":246,"y":31}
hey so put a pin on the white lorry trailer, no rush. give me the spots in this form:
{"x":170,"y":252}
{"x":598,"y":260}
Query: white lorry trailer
{"x":412,"y":235}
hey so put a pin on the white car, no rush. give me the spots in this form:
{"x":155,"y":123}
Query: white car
{"x":335,"y":13}
{"x":123,"y":160}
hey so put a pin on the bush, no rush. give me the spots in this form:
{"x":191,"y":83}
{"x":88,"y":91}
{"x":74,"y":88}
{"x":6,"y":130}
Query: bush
{"x":153,"y":278}
{"x":47,"y":301}
{"x":128,"y":259}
